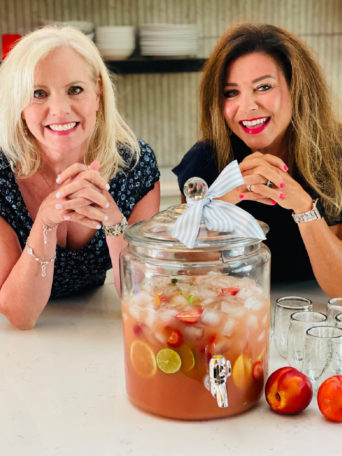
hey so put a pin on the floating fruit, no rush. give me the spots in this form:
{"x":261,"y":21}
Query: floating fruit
{"x":143,"y":359}
{"x":242,"y":372}
{"x":187,"y":357}
{"x":193,"y":300}
{"x":160,"y":299}
{"x":190,"y":316}
{"x":137,"y":330}
{"x":175,"y":339}
{"x":257,"y":370}
{"x":168,"y":361}
{"x":229,"y":291}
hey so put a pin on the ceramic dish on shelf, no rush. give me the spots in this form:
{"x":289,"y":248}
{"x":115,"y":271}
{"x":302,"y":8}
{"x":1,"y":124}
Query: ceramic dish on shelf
{"x":115,"y":42}
{"x":168,"y":39}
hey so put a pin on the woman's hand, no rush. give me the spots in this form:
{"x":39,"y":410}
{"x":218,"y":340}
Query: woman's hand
{"x":267,"y":181}
{"x":82,"y":197}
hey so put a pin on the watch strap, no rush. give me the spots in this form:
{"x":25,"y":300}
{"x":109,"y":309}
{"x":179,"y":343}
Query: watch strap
{"x":308,"y":216}
{"x":117,"y":229}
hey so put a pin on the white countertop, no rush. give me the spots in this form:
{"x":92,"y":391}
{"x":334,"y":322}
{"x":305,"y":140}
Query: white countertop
{"x":62,"y":393}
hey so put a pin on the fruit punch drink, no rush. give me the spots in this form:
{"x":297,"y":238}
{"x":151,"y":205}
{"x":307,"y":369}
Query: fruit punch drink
{"x":174,"y":325}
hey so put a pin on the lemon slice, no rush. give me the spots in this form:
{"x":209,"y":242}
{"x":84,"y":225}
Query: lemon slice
{"x":242,"y":372}
{"x":168,"y":361}
{"x":187,"y":357}
{"x":143,"y":359}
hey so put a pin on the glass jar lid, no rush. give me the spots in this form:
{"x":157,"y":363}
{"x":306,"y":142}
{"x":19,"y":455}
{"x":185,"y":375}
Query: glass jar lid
{"x":157,"y":230}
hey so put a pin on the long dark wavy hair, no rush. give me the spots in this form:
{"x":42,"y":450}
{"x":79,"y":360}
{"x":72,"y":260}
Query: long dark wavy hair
{"x":314,"y":135}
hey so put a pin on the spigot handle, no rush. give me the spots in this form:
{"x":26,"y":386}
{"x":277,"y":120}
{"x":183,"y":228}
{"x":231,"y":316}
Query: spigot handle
{"x":219,"y":371}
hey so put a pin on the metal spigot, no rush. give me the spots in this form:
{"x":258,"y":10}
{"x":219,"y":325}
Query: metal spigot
{"x":219,"y":370}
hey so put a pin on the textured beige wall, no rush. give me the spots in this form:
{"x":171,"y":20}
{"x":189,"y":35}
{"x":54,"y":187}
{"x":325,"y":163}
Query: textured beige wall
{"x":162,"y":108}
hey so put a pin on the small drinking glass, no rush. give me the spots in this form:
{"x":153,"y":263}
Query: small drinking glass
{"x":284,"y":307}
{"x":299,"y":323}
{"x":338,"y":320}
{"x":334,"y":308}
{"x":322,"y":354}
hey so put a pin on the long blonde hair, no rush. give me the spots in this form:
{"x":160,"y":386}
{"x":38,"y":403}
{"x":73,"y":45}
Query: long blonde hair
{"x":314,"y":134}
{"x":16,"y":92}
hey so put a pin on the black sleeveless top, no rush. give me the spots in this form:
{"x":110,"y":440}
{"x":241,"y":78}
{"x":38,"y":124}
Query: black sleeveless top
{"x":76,"y":270}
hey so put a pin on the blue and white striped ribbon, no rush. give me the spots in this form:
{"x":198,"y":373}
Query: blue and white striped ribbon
{"x":218,"y":215}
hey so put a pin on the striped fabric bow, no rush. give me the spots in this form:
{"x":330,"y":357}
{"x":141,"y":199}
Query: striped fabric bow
{"x":218,"y":215}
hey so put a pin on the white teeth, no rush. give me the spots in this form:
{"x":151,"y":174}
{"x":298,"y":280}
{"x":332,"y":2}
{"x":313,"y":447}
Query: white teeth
{"x":253,"y":123}
{"x":62,"y":127}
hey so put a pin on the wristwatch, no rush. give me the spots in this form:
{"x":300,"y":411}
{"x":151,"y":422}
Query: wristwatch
{"x":308,"y":216}
{"x":117,"y":229}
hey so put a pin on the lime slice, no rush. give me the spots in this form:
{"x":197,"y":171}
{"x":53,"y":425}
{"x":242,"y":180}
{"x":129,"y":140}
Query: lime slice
{"x":143,"y":359}
{"x":168,"y":361}
{"x":187,"y":357}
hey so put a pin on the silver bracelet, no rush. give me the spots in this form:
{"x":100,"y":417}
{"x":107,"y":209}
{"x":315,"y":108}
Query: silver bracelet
{"x":43,"y":263}
{"x":45,"y":230}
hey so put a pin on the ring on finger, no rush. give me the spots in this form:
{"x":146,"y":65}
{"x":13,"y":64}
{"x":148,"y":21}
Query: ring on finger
{"x":269,"y":183}
{"x":248,"y":188}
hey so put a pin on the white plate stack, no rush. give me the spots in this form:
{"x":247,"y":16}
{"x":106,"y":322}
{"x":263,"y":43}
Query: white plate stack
{"x":164,"y":40}
{"x":115,"y":42}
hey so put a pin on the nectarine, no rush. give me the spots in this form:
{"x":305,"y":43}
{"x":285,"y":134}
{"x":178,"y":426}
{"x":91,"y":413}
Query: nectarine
{"x":288,"y":391}
{"x":329,"y":398}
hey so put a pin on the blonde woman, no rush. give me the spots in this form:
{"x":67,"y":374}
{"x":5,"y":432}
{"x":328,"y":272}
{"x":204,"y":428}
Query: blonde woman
{"x":264,"y":102}
{"x":71,"y":171}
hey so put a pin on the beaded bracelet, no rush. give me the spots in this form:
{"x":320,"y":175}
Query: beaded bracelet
{"x":43,"y":263}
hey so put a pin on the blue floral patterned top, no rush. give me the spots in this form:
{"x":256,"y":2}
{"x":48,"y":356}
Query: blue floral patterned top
{"x":76,"y":270}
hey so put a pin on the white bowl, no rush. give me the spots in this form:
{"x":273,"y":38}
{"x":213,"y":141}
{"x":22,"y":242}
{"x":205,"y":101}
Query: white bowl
{"x":116,"y":54}
{"x":115,"y":31}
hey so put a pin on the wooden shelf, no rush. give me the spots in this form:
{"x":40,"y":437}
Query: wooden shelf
{"x":153,"y":65}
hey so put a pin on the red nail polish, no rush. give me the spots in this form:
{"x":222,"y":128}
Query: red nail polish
{"x":282,"y":196}
{"x":274,"y":202}
{"x":241,"y":196}
{"x":286,"y":168}
{"x":282,"y":185}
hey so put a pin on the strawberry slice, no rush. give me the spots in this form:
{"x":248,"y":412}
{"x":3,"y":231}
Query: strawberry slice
{"x":175,"y":339}
{"x":231,"y":290}
{"x":190,"y":316}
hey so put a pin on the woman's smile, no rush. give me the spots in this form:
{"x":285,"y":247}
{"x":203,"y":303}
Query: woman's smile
{"x":254,"y":126}
{"x":63,"y":128}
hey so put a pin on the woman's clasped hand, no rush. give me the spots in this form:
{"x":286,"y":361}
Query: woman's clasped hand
{"x":81,"y":196}
{"x":267,"y":181}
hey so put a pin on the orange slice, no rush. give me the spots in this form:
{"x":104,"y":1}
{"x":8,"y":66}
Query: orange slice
{"x":168,"y":361}
{"x":242,"y":372}
{"x":187,"y":357}
{"x":143,"y":359}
